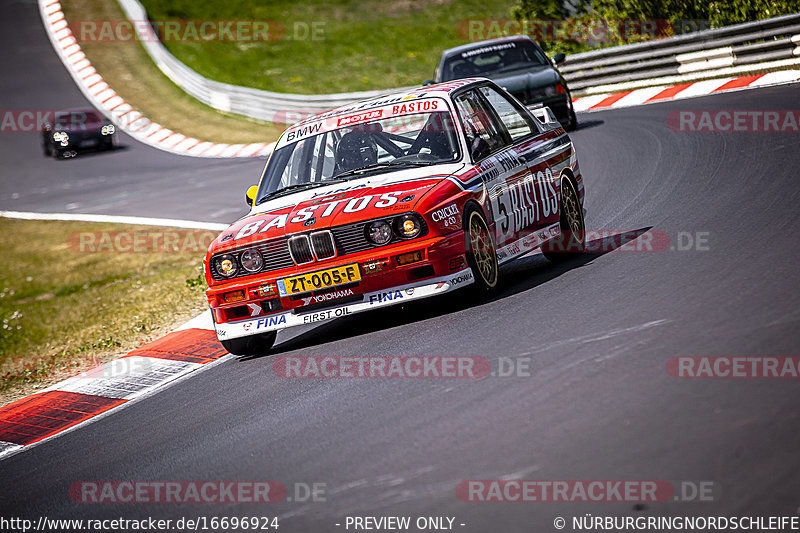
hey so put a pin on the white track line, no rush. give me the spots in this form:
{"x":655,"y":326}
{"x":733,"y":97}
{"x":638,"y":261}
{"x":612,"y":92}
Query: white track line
{"x":114,"y":219}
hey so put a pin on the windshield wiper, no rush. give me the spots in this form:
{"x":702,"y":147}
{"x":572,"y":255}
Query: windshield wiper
{"x":375,"y":166}
{"x":298,"y":187}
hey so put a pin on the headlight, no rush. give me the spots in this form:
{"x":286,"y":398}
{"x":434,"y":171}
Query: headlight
{"x":108,"y":129}
{"x":61,"y":137}
{"x":408,"y":226}
{"x":379,"y":232}
{"x":226,"y":265}
{"x":251,"y":260}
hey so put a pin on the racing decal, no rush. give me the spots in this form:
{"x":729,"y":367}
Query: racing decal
{"x":326,"y":315}
{"x":277,"y":222}
{"x":415,"y":107}
{"x":461,"y":279}
{"x":447,"y":216}
{"x":360,"y":117}
{"x":267,"y":289}
{"x":377,"y":109}
{"x":357,"y":204}
{"x":523,"y":201}
{"x":528,"y":243}
{"x":327,"y":297}
{"x":336,"y":193}
{"x":387,"y":199}
{"x":302,"y":132}
{"x":271,"y":321}
{"x":385,"y":296}
{"x":375,"y":266}
{"x":304,"y":214}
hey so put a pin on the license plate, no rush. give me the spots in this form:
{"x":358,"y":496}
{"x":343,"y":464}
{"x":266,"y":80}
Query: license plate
{"x":319,"y":280}
{"x":88,"y":142}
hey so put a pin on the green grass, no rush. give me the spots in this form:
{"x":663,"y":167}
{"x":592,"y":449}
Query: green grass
{"x":63,"y":310}
{"x":367,"y":44}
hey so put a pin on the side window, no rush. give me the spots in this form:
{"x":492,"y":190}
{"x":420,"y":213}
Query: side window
{"x":477,"y":121}
{"x":515,"y":122}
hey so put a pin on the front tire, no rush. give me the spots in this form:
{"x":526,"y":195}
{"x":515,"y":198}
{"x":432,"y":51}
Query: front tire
{"x":481,"y":251}
{"x":573,"y":120}
{"x":251,"y":345}
{"x":571,"y":241}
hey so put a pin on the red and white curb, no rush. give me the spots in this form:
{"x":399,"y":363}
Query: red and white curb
{"x":86,"y":397}
{"x":649,"y":95}
{"x":96,"y":393}
{"x":122,"y":114}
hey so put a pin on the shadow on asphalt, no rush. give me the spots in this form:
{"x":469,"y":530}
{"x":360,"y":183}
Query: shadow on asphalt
{"x":524,"y":274}
{"x":93,"y":153}
{"x":586,"y":124}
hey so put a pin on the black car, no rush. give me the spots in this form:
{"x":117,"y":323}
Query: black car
{"x":77,"y":129}
{"x":519,"y":65}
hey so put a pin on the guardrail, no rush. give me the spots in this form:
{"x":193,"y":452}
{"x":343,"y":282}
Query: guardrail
{"x":768,"y":44}
{"x":281,"y":108}
{"x":700,"y":52}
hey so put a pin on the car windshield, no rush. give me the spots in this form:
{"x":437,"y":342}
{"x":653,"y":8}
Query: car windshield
{"x":399,"y":142}
{"x":75,"y":119}
{"x":490,"y":59}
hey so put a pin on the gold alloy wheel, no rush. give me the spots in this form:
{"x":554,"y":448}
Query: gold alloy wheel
{"x":572,"y":208}
{"x":482,"y":248}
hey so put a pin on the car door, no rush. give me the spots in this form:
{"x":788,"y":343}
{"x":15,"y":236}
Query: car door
{"x":521,"y":198}
{"x":534,"y":198}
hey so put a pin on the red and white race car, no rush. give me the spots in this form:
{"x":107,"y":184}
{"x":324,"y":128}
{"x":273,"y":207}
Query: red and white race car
{"x":398,"y":198}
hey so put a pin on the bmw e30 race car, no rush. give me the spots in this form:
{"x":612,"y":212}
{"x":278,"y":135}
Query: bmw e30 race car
{"x":398,"y":198}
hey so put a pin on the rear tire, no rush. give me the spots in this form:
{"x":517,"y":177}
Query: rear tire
{"x":571,"y":241}
{"x":250,"y":345}
{"x":481,"y":250}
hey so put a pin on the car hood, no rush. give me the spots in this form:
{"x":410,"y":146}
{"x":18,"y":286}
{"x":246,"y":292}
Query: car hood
{"x":519,"y":80}
{"x":333,"y":205}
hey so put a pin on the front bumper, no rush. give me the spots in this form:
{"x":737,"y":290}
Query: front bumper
{"x":372,"y":300}
{"x":441,"y":260}
{"x":558,"y":104}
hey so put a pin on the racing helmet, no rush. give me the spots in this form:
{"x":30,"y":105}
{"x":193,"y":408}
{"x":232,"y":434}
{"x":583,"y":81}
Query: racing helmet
{"x":356,"y":149}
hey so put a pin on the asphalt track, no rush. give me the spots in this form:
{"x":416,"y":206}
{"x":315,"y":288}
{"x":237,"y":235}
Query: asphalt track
{"x":598,"y":331}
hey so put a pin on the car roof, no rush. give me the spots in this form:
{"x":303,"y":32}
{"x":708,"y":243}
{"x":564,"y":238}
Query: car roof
{"x":488,"y":42}
{"x":441,"y":90}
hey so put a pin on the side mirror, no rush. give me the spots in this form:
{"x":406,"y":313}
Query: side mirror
{"x":559,"y":58}
{"x":545,"y":115}
{"x":250,"y":196}
{"x":427,"y":82}
{"x":479,"y":149}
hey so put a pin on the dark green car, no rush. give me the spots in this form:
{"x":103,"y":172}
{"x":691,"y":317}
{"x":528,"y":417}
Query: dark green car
{"x":519,"y":65}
